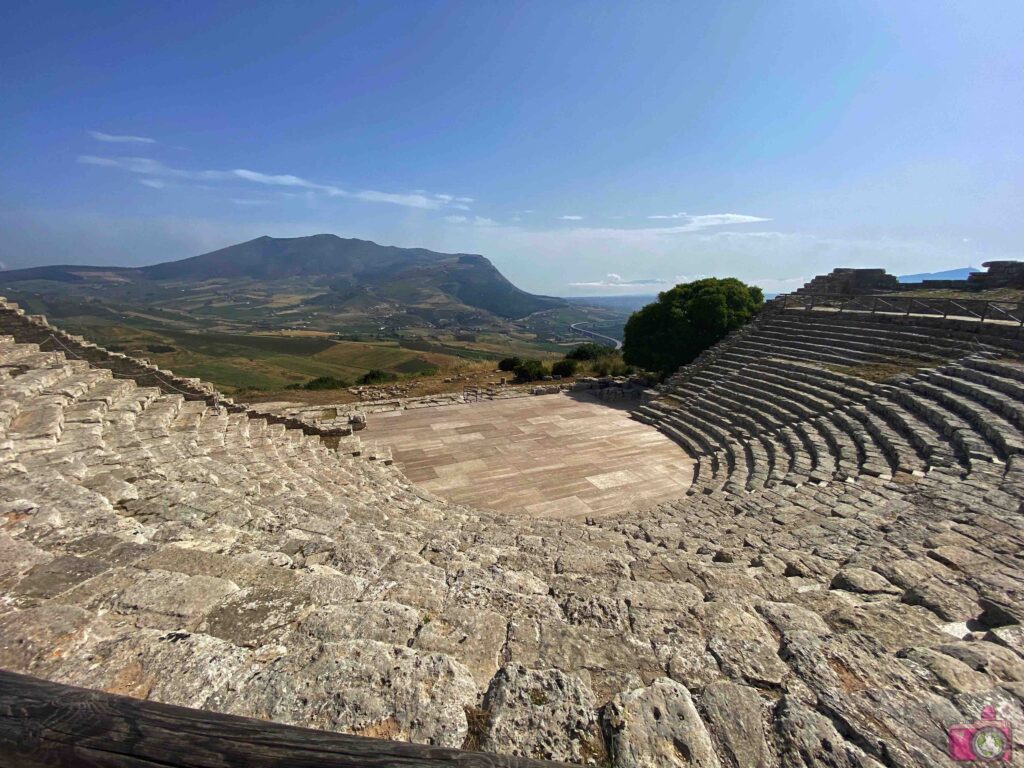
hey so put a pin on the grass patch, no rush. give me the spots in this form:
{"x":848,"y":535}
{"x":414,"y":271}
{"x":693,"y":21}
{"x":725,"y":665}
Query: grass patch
{"x":879,"y":372}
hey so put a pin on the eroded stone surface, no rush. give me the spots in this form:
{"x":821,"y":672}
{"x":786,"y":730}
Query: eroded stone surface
{"x":843,"y":582}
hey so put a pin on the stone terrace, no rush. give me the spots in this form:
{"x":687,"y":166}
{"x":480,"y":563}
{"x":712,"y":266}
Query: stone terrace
{"x":843,"y":581}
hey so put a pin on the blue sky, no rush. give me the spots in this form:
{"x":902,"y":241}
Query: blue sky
{"x":585,"y":147}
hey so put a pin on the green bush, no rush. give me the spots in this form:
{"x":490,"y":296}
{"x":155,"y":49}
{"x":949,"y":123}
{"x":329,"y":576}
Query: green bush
{"x":565,"y":367}
{"x":531,"y":370}
{"x":510,"y":364}
{"x":157,"y":349}
{"x":686,"y":320}
{"x":321,"y":382}
{"x":377,"y":376}
{"x":590,"y":351}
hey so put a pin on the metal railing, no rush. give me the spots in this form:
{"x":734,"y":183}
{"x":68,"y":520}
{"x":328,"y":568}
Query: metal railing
{"x":978,"y":310}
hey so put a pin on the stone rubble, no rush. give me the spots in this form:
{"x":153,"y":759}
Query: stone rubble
{"x":843,"y":582}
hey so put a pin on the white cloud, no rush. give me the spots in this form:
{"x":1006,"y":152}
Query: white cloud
{"x":154,"y":168}
{"x":694,"y":223}
{"x":248,"y":201}
{"x":476,"y":221}
{"x":114,"y":139}
{"x":153,"y":183}
{"x":571,"y":218}
{"x":410,"y":200}
{"x":613,"y":280}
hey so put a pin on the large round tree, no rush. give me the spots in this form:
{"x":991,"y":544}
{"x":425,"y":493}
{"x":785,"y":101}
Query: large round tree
{"x":686,"y":320}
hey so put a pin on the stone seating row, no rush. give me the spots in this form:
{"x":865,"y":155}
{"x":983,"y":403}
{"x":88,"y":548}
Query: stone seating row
{"x":185,"y":553}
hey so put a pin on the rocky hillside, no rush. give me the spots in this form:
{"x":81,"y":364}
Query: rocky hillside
{"x":325,"y":274}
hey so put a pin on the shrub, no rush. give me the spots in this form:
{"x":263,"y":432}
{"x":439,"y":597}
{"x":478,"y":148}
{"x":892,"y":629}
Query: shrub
{"x":377,"y":376}
{"x":531,"y":370}
{"x":589,"y":351}
{"x":321,"y":382}
{"x":565,"y":367}
{"x":510,"y":364}
{"x":686,"y":320}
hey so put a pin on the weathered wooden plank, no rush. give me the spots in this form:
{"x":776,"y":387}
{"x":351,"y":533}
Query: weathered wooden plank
{"x":48,"y":724}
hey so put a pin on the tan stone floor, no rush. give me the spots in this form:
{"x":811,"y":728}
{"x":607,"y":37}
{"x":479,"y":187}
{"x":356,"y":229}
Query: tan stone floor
{"x":549,"y":455}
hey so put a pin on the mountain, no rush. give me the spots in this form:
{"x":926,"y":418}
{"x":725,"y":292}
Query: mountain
{"x":949,"y":274}
{"x":335,"y":275}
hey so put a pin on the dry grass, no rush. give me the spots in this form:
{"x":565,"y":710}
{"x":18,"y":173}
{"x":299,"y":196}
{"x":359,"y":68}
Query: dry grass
{"x":879,"y":372}
{"x":477,"y":720}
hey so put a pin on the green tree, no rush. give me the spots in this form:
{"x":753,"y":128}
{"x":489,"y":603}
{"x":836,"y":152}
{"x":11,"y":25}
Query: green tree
{"x":531,"y":370}
{"x":589,"y":351}
{"x":565,"y":367}
{"x":686,"y":320}
{"x":510,"y":363}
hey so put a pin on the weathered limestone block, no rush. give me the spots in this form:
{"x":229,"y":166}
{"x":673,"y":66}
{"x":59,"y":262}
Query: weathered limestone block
{"x":383,"y":621}
{"x":948,"y":602}
{"x":255,"y":616}
{"x":158,"y":599}
{"x":895,"y":625}
{"x":735,"y":714}
{"x":658,"y":726}
{"x":18,"y":557}
{"x":474,"y":637}
{"x":1010,"y":636}
{"x":983,"y":656}
{"x":612,"y":661}
{"x":834,"y":664}
{"x":808,"y":739}
{"x":949,"y":672}
{"x":743,"y":645}
{"x":905,"y":729}
{"x":787,"y":617}
{"x":863,"y":581}
{"x":190,"y":670}
{"x":35,"y":640}
{"x":115,"y":489}
{"x":366,"y":688}
{"x":691,"y":663}
{"x":58,"y":575}
{"x":543,"y":714}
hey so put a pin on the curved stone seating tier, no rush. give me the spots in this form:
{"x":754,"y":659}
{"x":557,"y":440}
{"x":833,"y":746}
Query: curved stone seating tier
{"x":843,"y":579}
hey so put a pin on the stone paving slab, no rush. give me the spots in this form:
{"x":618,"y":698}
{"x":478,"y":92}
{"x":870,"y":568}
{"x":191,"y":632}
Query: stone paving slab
{"x":551,"y":456}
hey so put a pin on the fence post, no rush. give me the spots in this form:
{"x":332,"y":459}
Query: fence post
{"x":984,"y":312}
{"x":874,"y":305}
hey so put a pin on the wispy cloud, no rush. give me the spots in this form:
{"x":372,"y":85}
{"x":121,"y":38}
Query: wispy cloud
{"x":571,"y":218}
{"x":248,"y":201}
{"x":116,"y":139}
{"x":476,"y":221}
{"x":612,"y":280}
{"x":153,"y":183}
{"x":154,"y":168}
{"x":693,"y":223}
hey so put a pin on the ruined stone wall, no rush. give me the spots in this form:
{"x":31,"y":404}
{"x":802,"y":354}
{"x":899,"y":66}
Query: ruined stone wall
{"x":845,"y":281}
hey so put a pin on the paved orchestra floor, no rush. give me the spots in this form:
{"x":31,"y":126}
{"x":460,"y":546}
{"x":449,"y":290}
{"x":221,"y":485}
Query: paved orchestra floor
{"x":550,"y":455}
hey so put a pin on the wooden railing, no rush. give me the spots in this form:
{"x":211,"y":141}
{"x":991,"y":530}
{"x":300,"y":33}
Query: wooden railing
{"x":980,"y":310}
{"x":48,"y":724}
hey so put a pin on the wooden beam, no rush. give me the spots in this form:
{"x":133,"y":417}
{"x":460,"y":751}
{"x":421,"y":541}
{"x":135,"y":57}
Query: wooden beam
{"x":48,"y":724}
